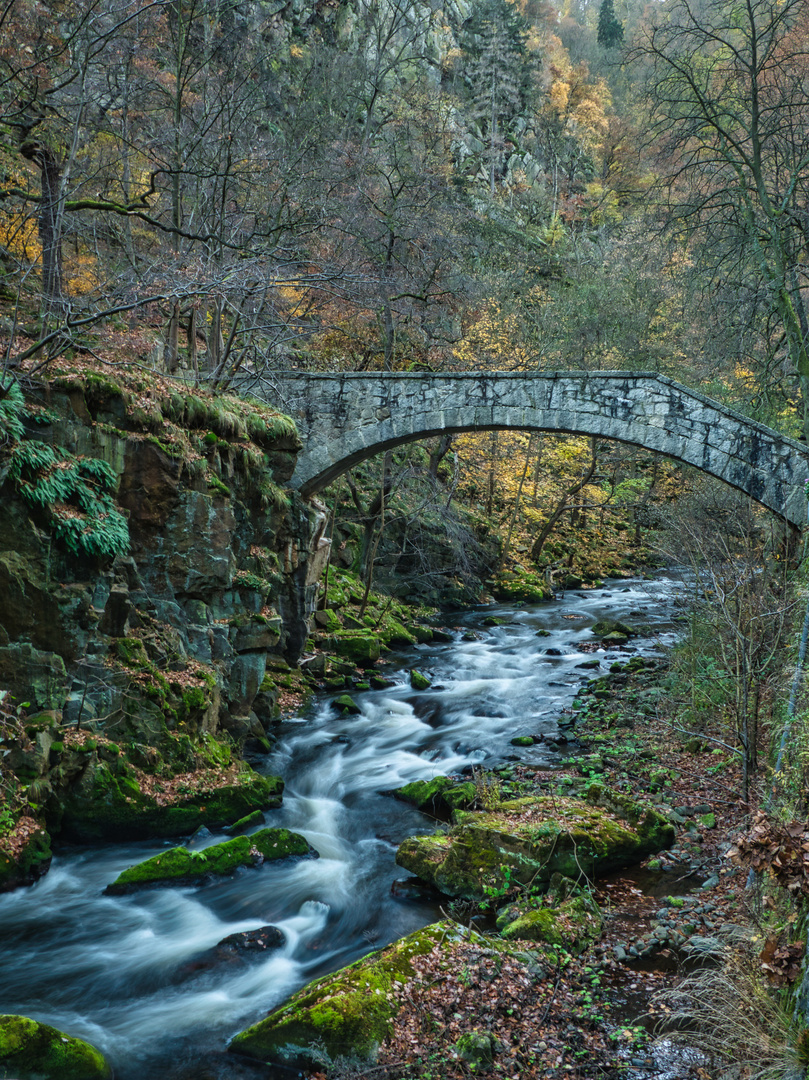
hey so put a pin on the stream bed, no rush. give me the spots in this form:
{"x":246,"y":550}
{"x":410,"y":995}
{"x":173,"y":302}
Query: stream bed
{"x":139,"y":975}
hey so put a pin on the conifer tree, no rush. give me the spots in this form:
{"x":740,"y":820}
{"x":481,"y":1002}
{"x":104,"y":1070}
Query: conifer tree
{"x":610,"y":31}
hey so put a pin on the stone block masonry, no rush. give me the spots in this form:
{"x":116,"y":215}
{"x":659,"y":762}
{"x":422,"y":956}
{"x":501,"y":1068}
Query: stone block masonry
{"x":346,"y":417}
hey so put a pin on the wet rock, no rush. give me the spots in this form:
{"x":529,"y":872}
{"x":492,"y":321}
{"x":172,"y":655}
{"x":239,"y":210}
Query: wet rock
{"x":438,"y":796}
{"x":108,"y":804}
{"x":410,"y":889}
{"x":265,"y":939}
{"x":523,"y":740}
{"x":419,"y":681}
{"x":604,"y":627}
{"x":345,"y":705}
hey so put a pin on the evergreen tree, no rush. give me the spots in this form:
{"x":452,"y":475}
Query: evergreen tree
{"x":610,"y":31}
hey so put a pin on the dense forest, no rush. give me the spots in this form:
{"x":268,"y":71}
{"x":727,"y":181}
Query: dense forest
{"x":197,"y":196}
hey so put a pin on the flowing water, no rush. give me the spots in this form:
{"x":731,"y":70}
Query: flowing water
{"x":135,"y":975}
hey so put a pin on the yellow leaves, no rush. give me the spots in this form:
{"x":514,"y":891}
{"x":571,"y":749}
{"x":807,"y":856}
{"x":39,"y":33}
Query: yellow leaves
{"x":559,"y":95}
{"x":493,"y":340}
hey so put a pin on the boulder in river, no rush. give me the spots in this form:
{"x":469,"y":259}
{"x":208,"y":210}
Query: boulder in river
{"x":605,"y":627}
{"x":440,"y":795}
{"x":178,"y":865}
{"x":33,"y":1051}
{"x":526,"y":841}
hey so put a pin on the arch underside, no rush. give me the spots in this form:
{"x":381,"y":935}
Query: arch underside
{"x":744,"y":461}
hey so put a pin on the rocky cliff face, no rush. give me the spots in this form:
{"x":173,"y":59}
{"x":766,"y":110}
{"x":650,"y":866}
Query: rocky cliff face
{"x":166,"y":651}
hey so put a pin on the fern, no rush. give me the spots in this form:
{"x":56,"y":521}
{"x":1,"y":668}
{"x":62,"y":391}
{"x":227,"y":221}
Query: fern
{"x":78,"y":494}
{"x":12,"y":411}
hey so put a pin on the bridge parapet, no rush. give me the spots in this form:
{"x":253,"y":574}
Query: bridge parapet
{"x":346,"y":417}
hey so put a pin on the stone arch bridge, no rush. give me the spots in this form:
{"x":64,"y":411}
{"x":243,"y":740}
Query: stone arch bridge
{"x":346,"y":417}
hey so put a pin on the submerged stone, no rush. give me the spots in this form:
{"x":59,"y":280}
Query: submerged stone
{"x":526,"y":841}
{"x":33,"y":1051}
{"x":178,"y":865}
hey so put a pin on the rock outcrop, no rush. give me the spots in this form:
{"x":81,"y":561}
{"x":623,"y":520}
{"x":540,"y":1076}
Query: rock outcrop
{"x":154,"y":574}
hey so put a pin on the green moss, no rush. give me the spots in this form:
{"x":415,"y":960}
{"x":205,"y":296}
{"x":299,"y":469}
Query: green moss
{"x":438,"y":795}
{"x":345,"y":705}
{"x":245,"y":823}
{"x":216,"y":485}
{"x":526,"y":841}
{"x":181,"y":865}
{"x":525,"y":587}
{"x":130,"y":651}
{"x":361,"y":648}
{"x":115,"y":808}
{"x":347,"y":1013}
{"x":34,"y":1051}
{"x":418,"y":680}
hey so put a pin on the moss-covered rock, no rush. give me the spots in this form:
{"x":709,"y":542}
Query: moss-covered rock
{"x":528,"y":840}
{"x":33,"y":1051}
{"x":30,"y":859}
{"x":419,"y":681}
{"x":179,"y":865}
{"x":345,"y":705}
{"x":567,"y":916}
{"x":347,"y":1013}
{"x":109,"y":805}
{"x":604,"y":627}
{"x":523,"y":586}
{"x":361,"y":648}
{"x":440,"y":795}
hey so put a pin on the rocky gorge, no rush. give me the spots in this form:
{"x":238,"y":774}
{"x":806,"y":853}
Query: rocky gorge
{"x":136,"y":681}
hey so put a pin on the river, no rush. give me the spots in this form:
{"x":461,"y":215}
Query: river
{"x":133,"y":974}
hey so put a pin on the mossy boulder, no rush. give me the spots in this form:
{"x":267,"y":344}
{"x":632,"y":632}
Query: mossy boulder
{"x":440,"y":795}
{"x":345,"y":705}
{"x":29,"y":862}
{"x":525,"y":587}
{"x":363,"y":649}
{"x":568,"y":917}
{"x":33,"y":1051}
{"x":347,"y":1013}
{"x":419,"y":681}
{"x":604,"y":627}
{"x":529,"y":840}
{"x":109,"y":805}
{"x":178,"y":865}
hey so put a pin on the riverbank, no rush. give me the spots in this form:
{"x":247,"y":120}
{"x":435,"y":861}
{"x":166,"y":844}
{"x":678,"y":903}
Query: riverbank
{"x":590,"y":1014}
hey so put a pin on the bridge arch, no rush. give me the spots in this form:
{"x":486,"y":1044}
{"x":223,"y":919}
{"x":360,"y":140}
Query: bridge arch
{"x":346,"y":417}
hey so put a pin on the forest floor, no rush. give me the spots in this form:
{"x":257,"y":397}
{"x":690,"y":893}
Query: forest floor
{"x":595,"y":1014}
